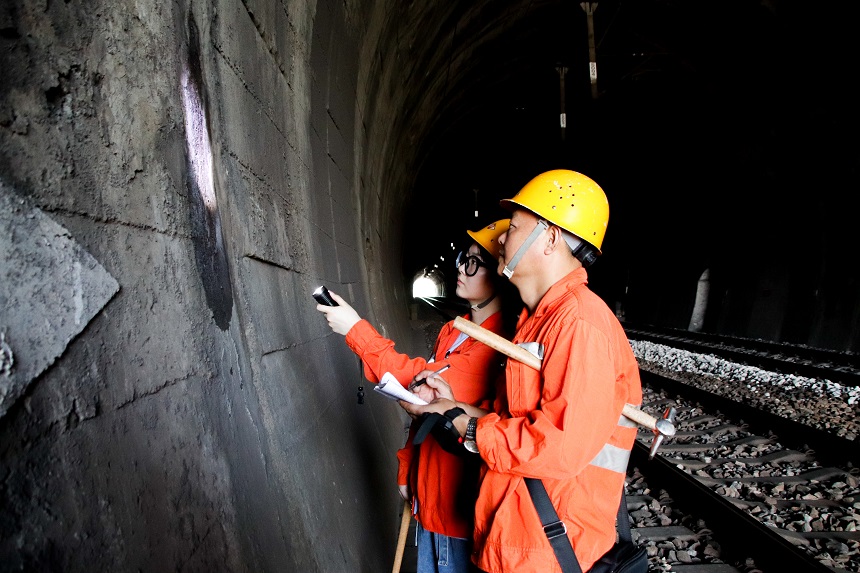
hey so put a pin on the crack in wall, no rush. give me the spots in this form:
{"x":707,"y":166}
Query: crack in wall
{"x":113,"y":221}
{"x":270,"y":263}
{"x":158,"y":389}
{"x":295,"y":345}
{"x":238,"y":73}
{"x":273,"y":51}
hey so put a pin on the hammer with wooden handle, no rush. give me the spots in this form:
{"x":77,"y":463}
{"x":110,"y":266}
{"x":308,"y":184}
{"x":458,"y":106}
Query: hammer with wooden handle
{"x":661,"y":427}
{"x":401,"y":538}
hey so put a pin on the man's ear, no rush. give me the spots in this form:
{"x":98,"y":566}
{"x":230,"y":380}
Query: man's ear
{"x":554,"y":238}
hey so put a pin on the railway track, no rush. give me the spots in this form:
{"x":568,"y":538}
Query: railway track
{"x":840,"y":367}
{"x":742,"y":490}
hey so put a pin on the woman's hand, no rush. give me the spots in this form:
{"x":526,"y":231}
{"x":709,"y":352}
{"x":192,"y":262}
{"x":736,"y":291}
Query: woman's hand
{"x":440,"y":386}
{"x":440,"y":406}
{"x":433,"y":387}
{"x":435,"y":391}
{"x":340,"y":318}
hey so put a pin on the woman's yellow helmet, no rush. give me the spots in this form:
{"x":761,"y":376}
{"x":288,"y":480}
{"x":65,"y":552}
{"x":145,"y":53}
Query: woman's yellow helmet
{"x":488,"y":237}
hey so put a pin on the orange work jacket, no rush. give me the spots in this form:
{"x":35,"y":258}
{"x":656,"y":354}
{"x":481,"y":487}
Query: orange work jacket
{"x":444,"y":485}
{"x":562,"y":425}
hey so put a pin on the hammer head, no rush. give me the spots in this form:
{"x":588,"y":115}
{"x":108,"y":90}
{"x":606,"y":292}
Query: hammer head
{"x":535,"y":348}
{"x":664,"y":427}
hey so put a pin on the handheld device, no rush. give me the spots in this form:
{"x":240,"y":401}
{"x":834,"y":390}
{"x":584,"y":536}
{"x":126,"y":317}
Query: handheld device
{"x":322,"y":296}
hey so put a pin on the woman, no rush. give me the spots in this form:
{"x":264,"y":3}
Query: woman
{"x":442,"y":486}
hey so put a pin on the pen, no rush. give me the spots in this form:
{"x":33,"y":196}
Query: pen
{"x":417,"y":383}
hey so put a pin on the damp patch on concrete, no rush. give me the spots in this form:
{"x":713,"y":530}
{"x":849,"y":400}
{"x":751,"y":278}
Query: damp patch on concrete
{"x":50,"y":289}
{"x":209,"y":252}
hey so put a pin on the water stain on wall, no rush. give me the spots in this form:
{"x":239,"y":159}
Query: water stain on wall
{"x":209,"y":252}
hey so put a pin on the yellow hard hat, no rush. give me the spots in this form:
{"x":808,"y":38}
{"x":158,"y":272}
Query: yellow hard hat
{"x":567,"y":199}
{"x":488,"y":237}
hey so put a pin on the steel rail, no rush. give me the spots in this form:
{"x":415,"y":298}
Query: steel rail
{"x":740,"y":534}
{"x":829,"y":448}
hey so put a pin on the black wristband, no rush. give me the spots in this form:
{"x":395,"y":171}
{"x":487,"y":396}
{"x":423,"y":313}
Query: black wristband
{"x":454,"y":413}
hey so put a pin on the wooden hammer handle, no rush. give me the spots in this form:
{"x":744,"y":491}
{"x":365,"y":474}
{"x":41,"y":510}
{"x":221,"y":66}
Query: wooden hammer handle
{"x":519,"y":353}
{"x":401,"y":539}
{"x":497,"y":342}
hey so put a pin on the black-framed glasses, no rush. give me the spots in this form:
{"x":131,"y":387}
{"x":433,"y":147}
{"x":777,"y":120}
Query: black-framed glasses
{"x":471,"y":263}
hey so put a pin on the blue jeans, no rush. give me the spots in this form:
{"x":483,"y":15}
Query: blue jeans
{"x":439,"y":553}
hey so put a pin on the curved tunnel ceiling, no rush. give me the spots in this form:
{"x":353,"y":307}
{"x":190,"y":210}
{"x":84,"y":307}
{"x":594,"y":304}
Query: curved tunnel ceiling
{"x":713,"y":124}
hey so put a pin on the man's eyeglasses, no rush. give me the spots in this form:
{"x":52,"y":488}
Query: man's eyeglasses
{"x":471,"y":261}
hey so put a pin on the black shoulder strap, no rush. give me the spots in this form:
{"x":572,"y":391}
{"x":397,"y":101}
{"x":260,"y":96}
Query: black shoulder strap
{"x":556,"y":530}
{"x":426,"y":423}
{"x":622,"y":522}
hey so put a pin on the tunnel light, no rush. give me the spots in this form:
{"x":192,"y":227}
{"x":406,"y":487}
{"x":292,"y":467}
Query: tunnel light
{"x":428,"y":283}
{"x":425,"y":287}
{"x":197,"y":142}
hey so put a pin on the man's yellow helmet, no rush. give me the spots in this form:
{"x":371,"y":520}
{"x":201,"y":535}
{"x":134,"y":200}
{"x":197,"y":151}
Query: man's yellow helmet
{"x":567,"y":199}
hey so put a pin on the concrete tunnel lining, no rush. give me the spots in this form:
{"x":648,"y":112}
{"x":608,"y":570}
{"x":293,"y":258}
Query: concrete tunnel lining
{"x":165,"y":437}
{"x":182,"y":428}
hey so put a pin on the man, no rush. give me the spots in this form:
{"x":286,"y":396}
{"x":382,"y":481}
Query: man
{"x":562,"y":425}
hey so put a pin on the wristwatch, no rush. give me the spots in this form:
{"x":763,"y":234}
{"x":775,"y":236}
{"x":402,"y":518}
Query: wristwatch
{"x":471,"y":431}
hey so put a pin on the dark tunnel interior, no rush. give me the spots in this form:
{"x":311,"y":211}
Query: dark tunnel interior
{"x":720,"y":132}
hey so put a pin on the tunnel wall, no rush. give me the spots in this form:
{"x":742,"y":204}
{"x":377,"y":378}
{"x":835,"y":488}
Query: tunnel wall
{"x":216,"y":161}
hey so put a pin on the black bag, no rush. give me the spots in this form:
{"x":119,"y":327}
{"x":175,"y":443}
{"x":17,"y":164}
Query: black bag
{"x":624,"y":557}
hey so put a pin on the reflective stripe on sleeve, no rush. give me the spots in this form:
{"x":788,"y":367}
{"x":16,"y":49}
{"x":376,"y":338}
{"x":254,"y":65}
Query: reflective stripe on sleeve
{"x":612,"y":458}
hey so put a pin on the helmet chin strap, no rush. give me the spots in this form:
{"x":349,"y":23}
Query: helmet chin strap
{"x":539,"y":228}
{"x":481,"y":305}
{"x":574,"y":242}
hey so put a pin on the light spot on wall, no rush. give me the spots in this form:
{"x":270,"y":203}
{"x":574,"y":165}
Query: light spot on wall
{"x":209,"y":252}
{"x":7,"y":359}
{"x":78,"y":293}
{"x":197,"y":142}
